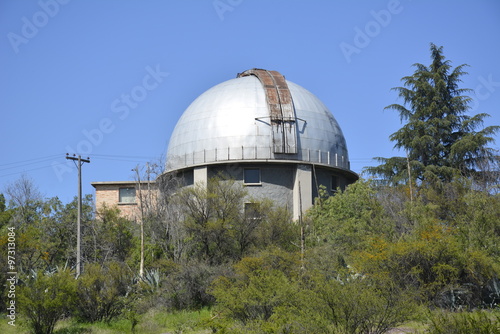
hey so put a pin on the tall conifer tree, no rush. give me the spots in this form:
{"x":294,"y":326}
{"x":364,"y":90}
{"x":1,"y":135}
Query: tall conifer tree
{"x":439,"y":138}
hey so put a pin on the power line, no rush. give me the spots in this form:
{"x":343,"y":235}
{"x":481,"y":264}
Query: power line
{"x":6,"y":167}
{"x":27,"y":164}
{"x":26,"y":170}
{"x":30,"y":161}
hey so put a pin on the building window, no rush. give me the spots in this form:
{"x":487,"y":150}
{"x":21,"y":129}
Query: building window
{"x":126,"y":195}
{"x":334,"y":183}
{"x":251,"y":176}
{"x":252,"y":211}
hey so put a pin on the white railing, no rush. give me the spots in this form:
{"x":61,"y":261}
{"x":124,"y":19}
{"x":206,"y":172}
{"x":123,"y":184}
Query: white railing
{"x":255,"y":153}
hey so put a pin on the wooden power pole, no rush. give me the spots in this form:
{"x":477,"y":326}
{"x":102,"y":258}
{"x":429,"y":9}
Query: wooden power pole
{"x":79,"y":161}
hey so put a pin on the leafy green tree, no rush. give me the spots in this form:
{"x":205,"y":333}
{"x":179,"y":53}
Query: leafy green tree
{"x":260,"y":285}
{"x":210,"y":213}
{"x":478,"y":222}
{"x":45,"y":298}
{"x":49,"y":240}
{"x":350,"y":218}
{"x":45,"y":228}
{"x":55,"y":231}
{"x":275,"y":227}
{"x":109,"y":236}
{"x":440,"y":139}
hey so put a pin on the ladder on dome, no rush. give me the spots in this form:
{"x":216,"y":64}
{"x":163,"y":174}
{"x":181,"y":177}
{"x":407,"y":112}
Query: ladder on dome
{"x":281,"y":110}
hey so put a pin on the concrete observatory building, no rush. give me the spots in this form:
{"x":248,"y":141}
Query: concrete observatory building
{"x":269,"y":134}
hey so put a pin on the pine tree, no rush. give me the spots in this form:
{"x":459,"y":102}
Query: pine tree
{"x":441,"y":141}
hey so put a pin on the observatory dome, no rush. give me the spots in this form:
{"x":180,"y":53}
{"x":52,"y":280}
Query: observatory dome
{"x":257,"y":116}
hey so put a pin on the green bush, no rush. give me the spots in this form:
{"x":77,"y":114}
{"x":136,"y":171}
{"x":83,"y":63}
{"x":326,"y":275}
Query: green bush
{"x":433,"y":262}
{"x":356,"y":304}
{"x":272,"y":294}
{"x":46,"y":298}
{"x":187,"y":289}
{"x":479,"y":322}
{"x":102,"y":292}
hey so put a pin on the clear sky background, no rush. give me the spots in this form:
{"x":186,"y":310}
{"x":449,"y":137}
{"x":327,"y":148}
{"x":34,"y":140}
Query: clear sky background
{"x":67,"y":67}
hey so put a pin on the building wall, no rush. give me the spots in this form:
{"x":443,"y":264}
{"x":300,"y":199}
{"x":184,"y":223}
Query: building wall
{"x":276,"y":181}
{"x":280,"y":182}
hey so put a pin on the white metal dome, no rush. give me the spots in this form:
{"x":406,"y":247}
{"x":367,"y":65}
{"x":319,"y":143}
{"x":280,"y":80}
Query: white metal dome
{"x":231,"y":121}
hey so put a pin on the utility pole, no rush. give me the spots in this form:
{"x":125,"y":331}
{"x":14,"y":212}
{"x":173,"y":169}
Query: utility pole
{"x":141,"y":206}
{"x":79,"y":161}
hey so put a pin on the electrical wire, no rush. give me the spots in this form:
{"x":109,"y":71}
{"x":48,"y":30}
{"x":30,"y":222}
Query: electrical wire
{"x":30,"y":161}
{"x":27,"y":164}
{"x":22,"y":164}
{"x":26,"y":170}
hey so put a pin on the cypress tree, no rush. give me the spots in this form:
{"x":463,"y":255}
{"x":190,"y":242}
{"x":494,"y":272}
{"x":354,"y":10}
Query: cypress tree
{"x":441,"y":141}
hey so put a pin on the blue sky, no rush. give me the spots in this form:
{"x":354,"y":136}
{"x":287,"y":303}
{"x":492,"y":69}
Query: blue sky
{"x":109,"y":79}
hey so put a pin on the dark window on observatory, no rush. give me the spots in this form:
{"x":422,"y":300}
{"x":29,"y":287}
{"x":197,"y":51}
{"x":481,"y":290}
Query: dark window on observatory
{"x":251,"y":175}
{"x":126,"y":195}
{"x":334,"y":183}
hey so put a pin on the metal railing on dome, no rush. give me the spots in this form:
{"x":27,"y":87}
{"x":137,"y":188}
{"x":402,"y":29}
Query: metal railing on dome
{"x":255,"y":153}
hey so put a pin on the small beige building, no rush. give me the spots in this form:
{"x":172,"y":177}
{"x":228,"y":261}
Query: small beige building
{"x":126,"y":195}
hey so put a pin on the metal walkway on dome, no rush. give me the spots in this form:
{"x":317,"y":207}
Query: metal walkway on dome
{"x":281,"y":110}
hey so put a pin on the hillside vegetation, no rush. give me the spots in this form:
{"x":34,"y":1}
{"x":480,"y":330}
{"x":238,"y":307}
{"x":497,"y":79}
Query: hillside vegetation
{"x":368,"y":259}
